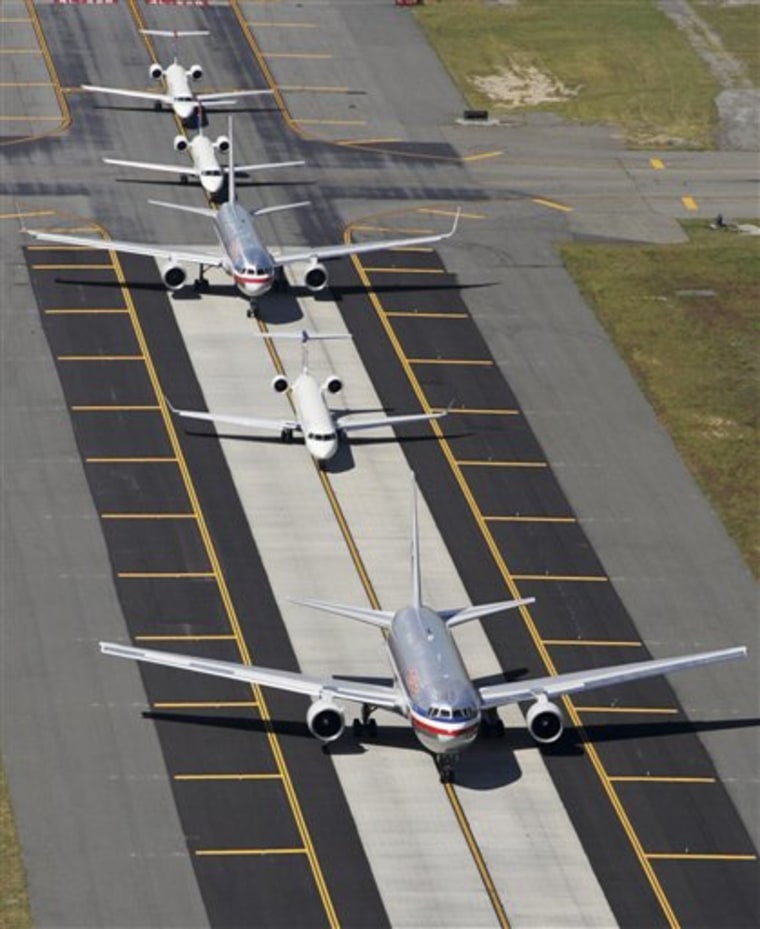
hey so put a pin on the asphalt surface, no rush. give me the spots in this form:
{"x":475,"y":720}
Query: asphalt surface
{"x":530,"y":316}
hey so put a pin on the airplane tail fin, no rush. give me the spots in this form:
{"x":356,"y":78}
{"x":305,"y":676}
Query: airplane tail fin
{"x":416,"y":579}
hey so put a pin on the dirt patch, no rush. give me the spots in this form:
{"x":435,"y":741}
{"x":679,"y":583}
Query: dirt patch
{"x":523,"y":85}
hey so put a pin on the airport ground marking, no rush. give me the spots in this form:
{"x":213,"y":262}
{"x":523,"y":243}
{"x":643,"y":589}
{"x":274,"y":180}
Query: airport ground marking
{"x":100,"y":358}
{"x":315,"y":89}
{"x":274,"y":776}
{"x":86,"y":311}
{"x":116,"y":408}
{"x":31,"y":214}
{"x":561,"y":578}
{"x":636,"y":710}
{"x":204,"y":705}
{"x":530,"y":519}
{"x":482,"y":156}
{"x":164,"y":575}
{"x":660,"y":779}
{"x":596,"y":643}
{"x":382,"y":270}
{"x":74,"y":267}
{"x":425,"y":249}
{"x":259,"y":24}
{"x":476,"y":463}
{"x":474,"y":362}
{"x":148,"y":516}
{"x":699,"y":856}
{"x":657,"y":163}
{"x":185,"y":638}
{"x":330,"y":122}
{"x":127,"y":459}
{"x":690,"y":203}
{"x":552,"y":204}
{"x":434,"y":211}
{"x":395,"y":230}
{"x":319,"y":56}
{"x":414,"y":314}
{"x":510,"y":581}
{"x":243,"y":852}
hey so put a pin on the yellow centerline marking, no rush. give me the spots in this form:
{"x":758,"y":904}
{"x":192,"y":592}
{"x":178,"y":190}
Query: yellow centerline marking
{"x":482,"y":411}
{"x":654,"y":710}
{"x":660,"y":779}
{"x":33,"y":214}
{"x":148,"y":516}
{"x":530,"y":519}
{"x":116,"y":408}
{"x":232,"y":852}
{"x":26,"y":83}
{"x":380,"y":270}
{"x":657,"y":163}
{"x":395,"y":230}
{"x":30,"y":119}
{"x":690,"y":203}
{"x":227,"y":777}
{"x":84,"y":311}
{"x":163,"y":575}
{"x":433,"y":211}
{"x":483,"y":155}
{"x":698,"y":856}
{"x":552,"y":204}
{"x":603,"y":643}
{"x":74,"y":267}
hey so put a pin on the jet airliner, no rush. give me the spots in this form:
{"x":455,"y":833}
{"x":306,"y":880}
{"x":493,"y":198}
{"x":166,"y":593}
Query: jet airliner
{"x":240,"y":252}
{"x":431,"y":686}
{"x":178,"y":94}
{"x":320,"y":426}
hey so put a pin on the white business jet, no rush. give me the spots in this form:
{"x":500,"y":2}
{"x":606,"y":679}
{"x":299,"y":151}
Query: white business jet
{"x":206,"y":167}
{"x":320,"y":426}
{"x":178,"y":94}
{"x":241,"y":252}
{"x":431,"y":686}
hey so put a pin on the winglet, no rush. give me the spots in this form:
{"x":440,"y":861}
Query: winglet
{"x":455,"y":224}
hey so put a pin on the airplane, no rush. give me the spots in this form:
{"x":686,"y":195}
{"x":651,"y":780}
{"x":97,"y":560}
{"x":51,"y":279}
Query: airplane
{"x":242,"y":254}
{"x":431,"y":686}
{"x":320,"y":426}
{"x":202,"y":151}
{"x":178,"y":94}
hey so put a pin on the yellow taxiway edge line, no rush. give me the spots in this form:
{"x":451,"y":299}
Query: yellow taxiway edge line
{"x":612,"y":643}
{"x":653,"y":710}
{"x":657,"y":163}
{"x":227,"y":777}
{"x":552,"y":204}
{"x":690,"y":203}
{"x":698,"y":856}
{"x":204,"y":704}
{"x":231,"y":852}
{"x":660,"y":779}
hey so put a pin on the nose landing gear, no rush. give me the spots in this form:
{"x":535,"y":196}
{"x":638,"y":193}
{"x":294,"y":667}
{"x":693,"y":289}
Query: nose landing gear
{"x":446,"y":765}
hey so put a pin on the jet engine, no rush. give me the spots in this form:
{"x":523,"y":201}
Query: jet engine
{"x":180,"y":143}
{"x":316,"y":276}
{"x":279,"y":384}
{"x":544,"y":721}
{"x":195,"y":72}
{"x":156,"y":71}
{"x":174,"y":275}
{"x":222,"y":144}
{"x":332,"y":385}
{"x":325,"y":720}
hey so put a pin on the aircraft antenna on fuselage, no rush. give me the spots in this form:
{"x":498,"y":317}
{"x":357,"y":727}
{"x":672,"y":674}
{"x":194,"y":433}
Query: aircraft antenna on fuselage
{"x":416,"y":584}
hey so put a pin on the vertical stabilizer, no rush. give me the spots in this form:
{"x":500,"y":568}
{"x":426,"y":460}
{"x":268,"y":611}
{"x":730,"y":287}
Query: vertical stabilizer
{"x":416,"y":582}
{"x":231,"y":165}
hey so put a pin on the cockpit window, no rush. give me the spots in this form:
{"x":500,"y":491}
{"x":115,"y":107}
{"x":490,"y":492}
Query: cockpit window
{"x":322,"y":437}
{"x":212,"y":172}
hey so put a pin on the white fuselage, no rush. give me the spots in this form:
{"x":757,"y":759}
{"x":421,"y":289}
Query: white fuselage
{"x":319,"y":432}
{"x":177,"y":83}
{"x":443,"y":705}
{"x":249,"y":263}
{"x":203,"y":155}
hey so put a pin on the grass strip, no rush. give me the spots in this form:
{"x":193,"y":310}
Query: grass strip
{"x":14,"y":903}
{"x":739,"y":31}
{"x":686,"y":319}
{"x":624,"y":60}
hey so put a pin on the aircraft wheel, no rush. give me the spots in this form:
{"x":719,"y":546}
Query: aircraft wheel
{"x":183,"y":179}
{"x":357,"y":728}
{"x":372,"y":728}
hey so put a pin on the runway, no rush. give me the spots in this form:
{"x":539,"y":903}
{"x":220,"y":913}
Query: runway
{"x":494,"y":494}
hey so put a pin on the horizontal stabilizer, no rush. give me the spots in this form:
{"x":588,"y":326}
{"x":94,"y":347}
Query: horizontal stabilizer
{"x":305,"y":335}
{"x":455,"y":617}
{"x":381,"y":618}
{"x":198,"y":210}
{"x":262,"y":211}
{"x":174,"y":33}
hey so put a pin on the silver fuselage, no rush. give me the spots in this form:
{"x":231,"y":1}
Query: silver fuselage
{"x":250,"y":264}
{"x":443,"y":705}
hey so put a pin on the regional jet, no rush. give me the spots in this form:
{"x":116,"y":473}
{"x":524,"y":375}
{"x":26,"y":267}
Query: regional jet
{"x":178,"y":94}
{"x":320,"y":426}
{"x":431,"y":686}
{"x":240,"y":252}
{"x":203,"y":154}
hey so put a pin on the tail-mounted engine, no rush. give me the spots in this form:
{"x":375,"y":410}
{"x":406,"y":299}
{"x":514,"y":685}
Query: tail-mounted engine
{"x":156,"y":71}
{"x":222,"y":144}
{"x":544,"y":720}
{"x":174,"y":275}
{"x":332,"y":385}
{"x":195,"y":72}
{"x":325,"y":720}
{"x":279,"y":384}
{"x":180,"y":143}
{"x":316,"y":277}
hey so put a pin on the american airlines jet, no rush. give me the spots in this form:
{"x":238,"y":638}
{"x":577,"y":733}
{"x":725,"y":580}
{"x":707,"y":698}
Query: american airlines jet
{"x":178,"y":94}
{"x":240,"y":251}
{"x":431,"y":686}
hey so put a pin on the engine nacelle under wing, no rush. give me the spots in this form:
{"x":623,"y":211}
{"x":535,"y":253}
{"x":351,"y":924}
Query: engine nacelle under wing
{"x":222,"y":144}
{"x":195,"y":72}
{"x":156,"y":71}
{"x":180,"y":143}
{"x":332,"y":385}
{"x":279,"y":383}
{"x":174,"y":275}
{"x":325,"y":720}
{"x":544,"y":721}
{"x":316,"y":277}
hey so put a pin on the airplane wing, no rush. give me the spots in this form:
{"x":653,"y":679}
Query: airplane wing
{"x":180,"y":253}
{"x":576,"y":681}
{"x":325,"y":253}
{"x":230,"y":97}
{"x":344,"y":423}
{"x":152,"y":166}
{"x":249,"y":422}
{"x":293,"y":681}
{"x":261,"y":167}
{"x":138,"y":94}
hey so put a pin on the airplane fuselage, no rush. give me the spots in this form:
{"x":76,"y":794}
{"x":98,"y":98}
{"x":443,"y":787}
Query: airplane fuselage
{"x":443,"y":705}
{"x":319,"y":432}
{"x":177,"y":83}
{"x":250,"y":264}
{"x":203,"y":156}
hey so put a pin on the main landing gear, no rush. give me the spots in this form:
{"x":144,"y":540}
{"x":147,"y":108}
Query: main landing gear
{"x":287,"y":435}
{"x":201,"y":284}
{"x":491,"y":726}
{"x":366,"y":727}
{"x":446,"y":765}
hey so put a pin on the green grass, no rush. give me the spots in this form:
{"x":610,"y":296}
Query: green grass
{"x":739,"y":31}
{"x":630,"y":63}
{"x":695,"y":355}
{"x":14,"y":904}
